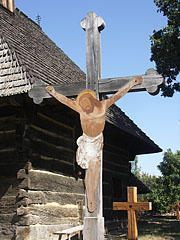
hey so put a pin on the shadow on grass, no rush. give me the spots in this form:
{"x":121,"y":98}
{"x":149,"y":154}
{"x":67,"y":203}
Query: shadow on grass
{"x":165,"y":227}
{"x":155,"y":228}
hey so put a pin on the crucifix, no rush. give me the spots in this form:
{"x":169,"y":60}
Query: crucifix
{"x":132,"y":206}
{"x":177,"y":206}
{"x":92,"y":115}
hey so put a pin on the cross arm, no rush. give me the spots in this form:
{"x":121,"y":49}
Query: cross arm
{"x":38,"y":92}
{"x":152,"y":81}
{"x":177,"y":205}
{"x":132,"y":206}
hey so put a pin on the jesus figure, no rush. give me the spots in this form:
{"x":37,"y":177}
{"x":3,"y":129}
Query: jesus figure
{"x":92,"y":116}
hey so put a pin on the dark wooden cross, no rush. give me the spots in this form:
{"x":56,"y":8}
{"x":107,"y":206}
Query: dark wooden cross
{"x":132,"y":206}
{"x":177,"y":206}
{"x":93,"y":25}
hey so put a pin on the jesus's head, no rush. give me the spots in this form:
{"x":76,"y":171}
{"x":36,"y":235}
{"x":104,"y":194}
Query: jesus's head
{"x":87,"y":100}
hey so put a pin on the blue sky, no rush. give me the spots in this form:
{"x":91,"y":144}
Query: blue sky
{"x":125,"y":52}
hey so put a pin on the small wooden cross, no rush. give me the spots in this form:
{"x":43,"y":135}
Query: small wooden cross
{"x":177,"y":206}
{"x":132,"y":206}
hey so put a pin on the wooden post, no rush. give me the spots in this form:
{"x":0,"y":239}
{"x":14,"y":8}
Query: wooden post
{"x":92,"y":24}
{"x":132,"y":221}
{"x":132,"y":206}
{"x":8,"y":4}
{"x":177,"y":206}
{"x":11,"y":5}
{"x":4,"y":3}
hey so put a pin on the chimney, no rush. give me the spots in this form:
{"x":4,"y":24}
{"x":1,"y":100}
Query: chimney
{"x":9,"y":4}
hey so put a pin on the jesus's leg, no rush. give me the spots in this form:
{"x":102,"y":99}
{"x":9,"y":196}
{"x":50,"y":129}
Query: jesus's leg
{"x":91,"y":181}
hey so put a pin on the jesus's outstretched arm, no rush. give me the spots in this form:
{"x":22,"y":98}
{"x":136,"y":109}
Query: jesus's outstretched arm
{"x":122,"y":91}
{"x":63,"y":99}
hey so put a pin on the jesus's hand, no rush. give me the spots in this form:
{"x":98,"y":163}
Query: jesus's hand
{"x":50,"y":90}
{"x":137,"y":80}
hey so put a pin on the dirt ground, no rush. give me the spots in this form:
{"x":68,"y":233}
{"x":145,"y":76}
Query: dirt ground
{"x":152,"y":228}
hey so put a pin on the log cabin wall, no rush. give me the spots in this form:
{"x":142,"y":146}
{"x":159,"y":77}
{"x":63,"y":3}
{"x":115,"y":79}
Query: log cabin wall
{"x":12,"y":159}
{"x":38,"y":188}
{"x":116,"y":172}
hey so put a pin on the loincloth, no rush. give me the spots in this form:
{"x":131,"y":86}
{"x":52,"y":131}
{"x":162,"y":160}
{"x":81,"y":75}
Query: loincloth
{"x":89,"y":149}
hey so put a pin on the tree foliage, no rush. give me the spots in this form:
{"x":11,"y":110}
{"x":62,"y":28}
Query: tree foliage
{"x":135,"y":169}
{"x":165,"y":190}
{"x":170,"y":169}
{"x":165,"y":46}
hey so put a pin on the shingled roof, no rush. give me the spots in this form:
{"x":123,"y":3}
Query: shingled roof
{"x":27,"y":55}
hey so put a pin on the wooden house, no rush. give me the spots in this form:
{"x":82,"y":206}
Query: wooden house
{"x":40,"y":183}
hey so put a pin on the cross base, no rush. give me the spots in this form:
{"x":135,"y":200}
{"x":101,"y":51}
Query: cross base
{"x":95,"y":223}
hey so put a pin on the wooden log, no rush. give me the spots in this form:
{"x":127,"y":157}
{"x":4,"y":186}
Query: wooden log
{"x":43,"y":197}
{"x":107,"y":174}
{"x":35,"y":133}
{"x":22,"y":173}
{"x":114,"y":167}
{"x":8,"y":205}
{"x":55,"y":121}
{"x":51,"y":211}
{"x":6,"y":218}
{"x":44,"y":218}
{"x":47,"y":181}
{"x":9,"y":156}
{"x":7,"y":138}
{"x":9,"y":187}
{"x":26,"y":220}
{"x":7,"y":231}
{"x":54,"y":126}
{"x":7,"y":124}
{"x":53,"y":165}
{"x":52,"y":151}
{"x":116,"y":151}
{"x":67,"y":116}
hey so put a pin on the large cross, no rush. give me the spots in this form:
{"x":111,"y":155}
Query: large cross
{"x":132,"y":206}
{"x":177,"y":206}
{"x":92,"y":24}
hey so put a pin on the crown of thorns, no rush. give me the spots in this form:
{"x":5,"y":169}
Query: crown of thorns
{"x":91,"y":92}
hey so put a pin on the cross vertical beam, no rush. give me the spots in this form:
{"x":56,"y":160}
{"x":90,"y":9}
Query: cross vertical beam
{"x":92,"y":24}
{"x":132,"y":221}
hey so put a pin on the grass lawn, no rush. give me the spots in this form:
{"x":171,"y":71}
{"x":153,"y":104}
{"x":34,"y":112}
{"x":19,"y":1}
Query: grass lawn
{"x":152,"y":228}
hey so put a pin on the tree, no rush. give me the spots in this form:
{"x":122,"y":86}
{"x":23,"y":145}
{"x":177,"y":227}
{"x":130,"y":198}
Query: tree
{"x":165,"y":189}
{"x":170,"y":169}
{"x":165,"y":46}
{"x":135,"y":169}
